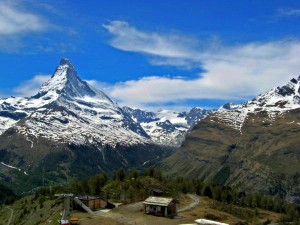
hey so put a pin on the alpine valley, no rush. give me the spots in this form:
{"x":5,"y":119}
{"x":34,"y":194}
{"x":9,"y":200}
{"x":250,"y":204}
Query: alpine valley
{"x":70,"y":129}
{"x":253,"y":147}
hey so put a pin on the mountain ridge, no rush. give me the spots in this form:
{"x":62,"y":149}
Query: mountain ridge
{"x":167,"y":127}
{"x":253,"y":147}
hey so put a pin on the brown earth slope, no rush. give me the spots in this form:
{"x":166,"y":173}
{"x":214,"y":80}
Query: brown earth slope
{"x":262,"y":157}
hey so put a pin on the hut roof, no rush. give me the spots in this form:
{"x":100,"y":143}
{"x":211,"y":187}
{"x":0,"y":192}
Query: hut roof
{"x":152,"y":200}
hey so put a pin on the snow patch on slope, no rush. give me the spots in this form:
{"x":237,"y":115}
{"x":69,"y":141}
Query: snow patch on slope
{"x":13,"y":167}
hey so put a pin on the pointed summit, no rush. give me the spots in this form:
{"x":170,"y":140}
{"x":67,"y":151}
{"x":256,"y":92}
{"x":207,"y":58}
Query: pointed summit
{"x":66,"y":64}
{"x":65,"y":87}
{"x":65,"y":68}
{"x":66,"y":82}
{"x":65,"y":61}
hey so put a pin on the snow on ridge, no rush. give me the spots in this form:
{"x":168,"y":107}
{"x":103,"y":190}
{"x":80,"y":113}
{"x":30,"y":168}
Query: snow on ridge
{"x":56,"y":82}
{"x":274,"y":102}
{"x":81,"y":125}
{"x":166,"y":127}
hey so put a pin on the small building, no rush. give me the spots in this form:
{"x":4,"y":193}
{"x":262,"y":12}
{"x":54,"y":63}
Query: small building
{"x":93,"y":203}
{"x":160,"y":206}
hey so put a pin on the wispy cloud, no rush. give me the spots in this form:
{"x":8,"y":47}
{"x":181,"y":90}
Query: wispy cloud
{"x":173,"y":47}
{"x":288,"y":12}
{"x":15,"y":21}
{"x":30,"y":87}
{"x":231,"y":72}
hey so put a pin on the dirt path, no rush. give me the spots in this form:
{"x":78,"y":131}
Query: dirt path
{"x":196,"y":201}
{"x":125,"y":214}
{"x":11,"y":214}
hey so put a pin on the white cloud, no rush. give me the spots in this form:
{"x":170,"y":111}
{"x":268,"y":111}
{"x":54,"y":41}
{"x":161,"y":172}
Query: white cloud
{"x":172,"y":46}
{"x":15,"y":21}
{"x":30,"y":87}
{"x":289,"y":12}
{"x":231,"y":72}
{"x":105,"y":87}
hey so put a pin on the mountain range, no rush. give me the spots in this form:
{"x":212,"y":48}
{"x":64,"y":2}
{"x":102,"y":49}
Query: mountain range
{"x":253,"y":147}
{"x":167,"y":127}
{"x":71,"y":129}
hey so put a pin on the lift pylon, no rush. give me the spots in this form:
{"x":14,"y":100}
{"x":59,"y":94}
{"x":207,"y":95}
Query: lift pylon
{"x":66,"y":215}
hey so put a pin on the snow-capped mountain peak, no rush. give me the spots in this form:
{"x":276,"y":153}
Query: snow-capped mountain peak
{"x":74,"y":111}
{"x":66,"y":62}
{"x":65,"y":81}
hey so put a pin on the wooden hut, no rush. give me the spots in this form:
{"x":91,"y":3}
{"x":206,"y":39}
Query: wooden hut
{"x":160,"y":206}
{"x":94,"y":202}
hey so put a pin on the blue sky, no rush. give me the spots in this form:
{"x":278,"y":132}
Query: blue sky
{"x":153,"y":54}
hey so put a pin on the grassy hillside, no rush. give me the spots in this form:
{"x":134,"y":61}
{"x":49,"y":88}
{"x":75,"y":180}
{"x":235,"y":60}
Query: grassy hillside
{"x":204,"y":151}
{"x":31,"y":210}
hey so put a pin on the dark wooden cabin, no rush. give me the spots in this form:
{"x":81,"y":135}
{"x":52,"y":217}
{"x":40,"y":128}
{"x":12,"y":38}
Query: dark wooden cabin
{"x":93,"y":202}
